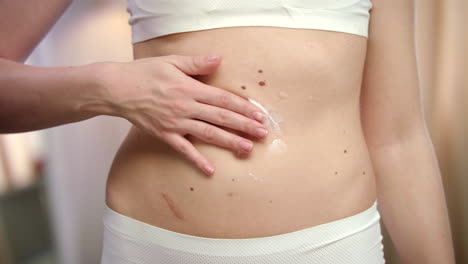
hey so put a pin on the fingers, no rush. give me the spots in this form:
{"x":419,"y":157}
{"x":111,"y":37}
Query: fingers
{"x":226,"y":118}
{"x":217,"y":136}
{"x":194,"y":65}
{"x":185,"y":147}
{"x":218,"y":97}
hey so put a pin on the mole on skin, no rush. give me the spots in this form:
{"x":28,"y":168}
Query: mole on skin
{"x":345,"y":151}
{"x":243,"y":87}
{"x":261,"y":83}
{"x":260,"y":71}
{"x":191,"y":188}
{"x":172,"y":206}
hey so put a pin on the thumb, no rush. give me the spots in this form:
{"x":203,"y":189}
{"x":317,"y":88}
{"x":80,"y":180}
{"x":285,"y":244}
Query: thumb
{"x":196,"y":65}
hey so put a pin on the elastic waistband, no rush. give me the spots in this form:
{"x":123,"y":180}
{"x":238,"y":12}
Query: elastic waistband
{"x":315,"y":236}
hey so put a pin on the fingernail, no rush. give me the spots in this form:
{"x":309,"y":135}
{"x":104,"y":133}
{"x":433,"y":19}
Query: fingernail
{"x":212,"y":58}
{"x":261,"y":131}
{"x":259,"y":116}
{"x":208,"y":168}
{"x":246,"y":145}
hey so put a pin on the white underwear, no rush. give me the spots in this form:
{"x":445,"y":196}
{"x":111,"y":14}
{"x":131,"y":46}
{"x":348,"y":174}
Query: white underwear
{"x":351,"y":240}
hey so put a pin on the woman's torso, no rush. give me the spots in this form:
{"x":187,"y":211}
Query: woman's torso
{"x":312,"y":85}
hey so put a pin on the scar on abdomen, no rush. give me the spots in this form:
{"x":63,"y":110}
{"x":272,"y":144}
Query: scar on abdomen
{"x":172,"y":206}
{"x":261,"y":83}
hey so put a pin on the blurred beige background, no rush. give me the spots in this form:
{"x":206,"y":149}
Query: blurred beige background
{"x":79,"y":155}
{"x":442,"y":39}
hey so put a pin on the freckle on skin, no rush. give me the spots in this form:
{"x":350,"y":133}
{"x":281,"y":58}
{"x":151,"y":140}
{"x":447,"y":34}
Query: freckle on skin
{"x":233,"y":179}
{"x":363,"y":173}
{"x":261,"y":83}
{"x":271,"y":201}
{"x":172,"y":206}
{"x":230,"y":194}
{"x":336,"y":172}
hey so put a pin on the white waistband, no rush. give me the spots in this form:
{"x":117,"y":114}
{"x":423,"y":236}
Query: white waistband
{"x":314,"y":236}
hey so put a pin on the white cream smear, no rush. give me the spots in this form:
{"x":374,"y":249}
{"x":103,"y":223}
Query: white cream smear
{"x":256,"y":178}
{"x":272,"y":123}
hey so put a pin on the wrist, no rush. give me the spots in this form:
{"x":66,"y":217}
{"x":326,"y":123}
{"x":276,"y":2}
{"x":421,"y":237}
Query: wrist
{"x":95,"y":97}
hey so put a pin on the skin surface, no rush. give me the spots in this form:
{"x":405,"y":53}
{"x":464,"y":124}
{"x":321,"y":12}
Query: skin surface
{"x":345,"y":139}
{"x":325,"y":172}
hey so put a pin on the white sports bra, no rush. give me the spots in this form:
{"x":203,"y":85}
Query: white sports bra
{"x":153,"y":18}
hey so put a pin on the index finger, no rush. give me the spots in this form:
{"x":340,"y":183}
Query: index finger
{"x":218,"y":97}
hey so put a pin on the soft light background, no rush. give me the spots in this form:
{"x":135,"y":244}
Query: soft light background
{"x":79,"y":155}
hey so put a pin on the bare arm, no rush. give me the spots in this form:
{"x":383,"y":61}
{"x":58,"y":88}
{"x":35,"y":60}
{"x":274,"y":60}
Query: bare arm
{"x":34,"y":98}
{"x":24,"y":23}
{"x":410,"y":192}
{"x":155,"y":94}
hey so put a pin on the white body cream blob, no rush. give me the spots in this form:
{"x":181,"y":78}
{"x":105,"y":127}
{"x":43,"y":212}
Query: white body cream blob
{"x":272,"y":122}
{"x":277,"y":145}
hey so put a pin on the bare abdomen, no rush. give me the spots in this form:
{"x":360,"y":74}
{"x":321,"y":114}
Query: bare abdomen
{"x":314,"y":170}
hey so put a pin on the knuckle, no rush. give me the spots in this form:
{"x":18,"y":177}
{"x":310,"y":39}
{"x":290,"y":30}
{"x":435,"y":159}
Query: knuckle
{"x":208,"y":133}
{"x":233,"y":141}
{"x":179,"y":107}
{"x":172,"y":57}
{"x":176,"y":89}
{"x":196,"y":62}
{"x":173,"y":90}
{"x":222,"y":118}
{"x":168,"y":122}
{"x":249,"y":127}
{"x":224,"y":100}
{"x":250,"y":110}
{"x":157,"y":133}
{"x":191,"y":64}
{"x":183,"y":148}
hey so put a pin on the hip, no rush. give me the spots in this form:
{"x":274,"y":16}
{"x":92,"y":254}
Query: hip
{"x":324,"y":173}
{"x":354,"y":239}
{"x":315,"y":169}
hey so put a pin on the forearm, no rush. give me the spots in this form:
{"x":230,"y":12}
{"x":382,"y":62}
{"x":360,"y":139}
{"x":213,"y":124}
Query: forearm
{"x":411,"y":200}
{"x":33,"y":98}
